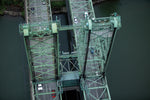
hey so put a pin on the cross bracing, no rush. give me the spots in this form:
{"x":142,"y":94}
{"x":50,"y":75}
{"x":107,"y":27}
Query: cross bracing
{"x":69,"y":64}
{"x":79,"y":7}
{"x":46,"y":61}
{"x":95,"y":88}
{"x":42,"y":54}
{"x":98,"y":47}
{"x":41,"y":49}
{"x":52,"y":71}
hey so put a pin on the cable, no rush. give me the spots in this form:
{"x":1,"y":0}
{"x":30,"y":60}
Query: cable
{"x":110,"y":49}
{"x":86,"y":55}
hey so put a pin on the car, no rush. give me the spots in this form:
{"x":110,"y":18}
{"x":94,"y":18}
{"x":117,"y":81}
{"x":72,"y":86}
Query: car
{"x":53,"y":94}
{"x":43,"y":2}
{"x":75,"y":20}
{"x":96,"y":73}
{"x":93,"y":19}
{"x":85,"y":14}
{"x":32,"y":10}
{"x":92,"y":51}
{"x":40,"y":87}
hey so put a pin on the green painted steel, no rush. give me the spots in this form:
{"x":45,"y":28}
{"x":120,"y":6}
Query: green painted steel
{"x":42,"y":50}
{"x":102,"y":35}
{"x":41,"y":46}
{"x":95,"y":88}
{"x":50,"y":70}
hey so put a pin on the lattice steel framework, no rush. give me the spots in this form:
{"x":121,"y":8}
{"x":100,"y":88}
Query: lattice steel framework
{"x":78,"y":9}
{"x":95,"y":54}
{"x":42,"y":49}
{"x":95,"y":88}
{"x":94,"y":40}
{"x":46,"y":64}
{"x":94,"y":84}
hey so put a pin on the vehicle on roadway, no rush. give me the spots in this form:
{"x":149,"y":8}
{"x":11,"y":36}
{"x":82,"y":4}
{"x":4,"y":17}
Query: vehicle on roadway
{"x":32,"y":10}
{"x":43,"y":2}
{"x":85,"y":14}
{"x":53,"y":94}
{"x":75,"y":20}
{"x":40,"y":87}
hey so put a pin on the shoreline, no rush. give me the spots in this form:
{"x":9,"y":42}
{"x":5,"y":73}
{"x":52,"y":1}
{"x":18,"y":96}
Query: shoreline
{"x":14,"y":13}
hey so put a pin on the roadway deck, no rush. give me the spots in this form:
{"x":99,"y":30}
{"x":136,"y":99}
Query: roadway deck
{"x":98,"y":47}
{"x":50,"y":70}
{"x":41,"y":50}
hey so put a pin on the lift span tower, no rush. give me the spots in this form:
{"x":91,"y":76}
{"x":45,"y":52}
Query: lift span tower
{"x":55,"y":75}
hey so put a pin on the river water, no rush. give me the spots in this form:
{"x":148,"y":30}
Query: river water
{"x":13,"y":83}
{"x":129,"y":67}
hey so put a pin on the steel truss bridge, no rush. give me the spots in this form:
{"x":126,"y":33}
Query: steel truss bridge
{"x":82,"y":69}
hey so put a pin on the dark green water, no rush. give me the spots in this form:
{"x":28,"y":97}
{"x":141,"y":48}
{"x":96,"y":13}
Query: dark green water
{"x":129,"y":68}
{"x":13,"y":83}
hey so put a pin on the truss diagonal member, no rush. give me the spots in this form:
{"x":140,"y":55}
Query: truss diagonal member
{"x":95,"y":81}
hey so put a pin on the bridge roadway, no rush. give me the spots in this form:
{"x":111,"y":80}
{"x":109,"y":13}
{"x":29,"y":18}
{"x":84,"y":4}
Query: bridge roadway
{"x":98,"y":48}
{"x":41,"y":49}
{"x":38,"y":11}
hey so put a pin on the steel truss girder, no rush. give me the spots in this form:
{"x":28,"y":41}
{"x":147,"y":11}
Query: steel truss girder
{"x":68,"y":65}
{"x":38,"y":29}
{"x":101,"y":38}
{"x":79,"y":7}
{"x":42,"y":57}
{"x":43,"y":62}
{"x":95,"y":88}
{"x":100,"y":41}
{"x":50,"y":88}
{"x":43,"y":69}
{"x":41,"y":46}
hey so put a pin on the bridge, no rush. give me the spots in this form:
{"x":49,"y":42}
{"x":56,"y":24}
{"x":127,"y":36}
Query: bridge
{"x":53,"y":72}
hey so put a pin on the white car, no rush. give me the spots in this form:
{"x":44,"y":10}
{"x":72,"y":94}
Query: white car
{"x":96,"y":73}
{"x":93,"y":19}
{"x":75,"y":20}
{"x":43,"y":2}
{"x":40,"y":87}
{"x":85,"y":14}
